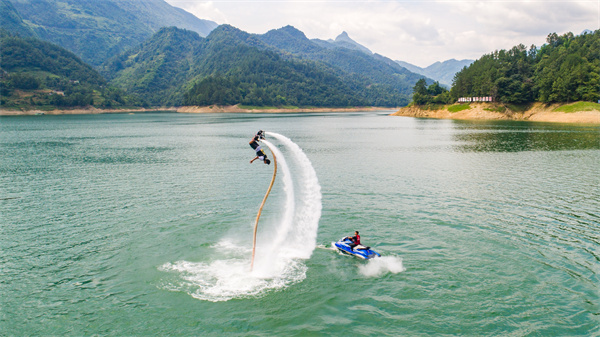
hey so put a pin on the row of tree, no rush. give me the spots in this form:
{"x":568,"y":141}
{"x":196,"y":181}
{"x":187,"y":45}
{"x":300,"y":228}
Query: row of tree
{"x":565,"y":69}
{"x":434,"y":93}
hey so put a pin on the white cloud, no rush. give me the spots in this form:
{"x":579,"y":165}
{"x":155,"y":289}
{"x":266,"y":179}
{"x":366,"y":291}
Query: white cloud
{"x":417,"y":32}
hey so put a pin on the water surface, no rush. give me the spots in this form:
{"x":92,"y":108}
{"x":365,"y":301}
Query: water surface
{"x":486,"y":228}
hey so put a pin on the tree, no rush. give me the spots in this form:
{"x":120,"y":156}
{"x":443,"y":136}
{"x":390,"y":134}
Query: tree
{"x":420,"y":93}
{"x":566,"y":68}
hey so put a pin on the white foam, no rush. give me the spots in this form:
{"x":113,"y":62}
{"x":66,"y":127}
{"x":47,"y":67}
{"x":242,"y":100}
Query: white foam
{"x":382,"y":265}
{"x":302,"y":239}
{"x":222,"y":280}
{"x":282,"y":244}
{"x":286,"y":222}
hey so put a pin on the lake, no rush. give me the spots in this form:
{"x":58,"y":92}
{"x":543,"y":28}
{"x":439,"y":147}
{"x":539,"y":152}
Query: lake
{"x":141,"y":224}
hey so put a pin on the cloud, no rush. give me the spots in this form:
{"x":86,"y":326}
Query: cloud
{"x":420,"y":32}
{"x":202,"y":9}
{"x":527,"y":17}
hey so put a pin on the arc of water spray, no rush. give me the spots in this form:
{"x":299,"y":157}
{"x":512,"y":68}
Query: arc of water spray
{"x":261,"y":207}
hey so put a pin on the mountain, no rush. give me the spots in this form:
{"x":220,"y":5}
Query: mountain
{"x":442,"y":72}
{"x":158,"y":67}
{"x":97,"y":30}
{"x":415,"y":69}
{"x":372,"y":72}
{"x":343,"y":41}
{"x":291,"y":40}
{"x":162,"y":70}
{"x":12,"y":20}
{"x":36,"y":73}
{"x":229,"y":66}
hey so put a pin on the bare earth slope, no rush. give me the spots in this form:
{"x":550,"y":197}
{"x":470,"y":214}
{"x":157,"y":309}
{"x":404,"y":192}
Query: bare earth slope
{"x":537,"y":112}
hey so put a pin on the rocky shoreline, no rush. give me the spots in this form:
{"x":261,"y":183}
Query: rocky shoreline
{"x":538,"y":112}
{"x":81,"y":111}
{"x":184,"y":109}
{"x":237,"y":109}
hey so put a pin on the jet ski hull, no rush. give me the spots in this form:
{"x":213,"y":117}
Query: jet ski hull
{"x":366,"y":253}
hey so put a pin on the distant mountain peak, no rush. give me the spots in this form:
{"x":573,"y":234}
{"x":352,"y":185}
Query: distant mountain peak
{"x":290,"y":39}
{"x":344,"y":40}
{"x":439,"y":71}
{"x":343,"y":37}
{"x":293,"y":31}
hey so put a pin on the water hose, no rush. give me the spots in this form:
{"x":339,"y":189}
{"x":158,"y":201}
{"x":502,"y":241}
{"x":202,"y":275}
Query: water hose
{"x":261,"y":207}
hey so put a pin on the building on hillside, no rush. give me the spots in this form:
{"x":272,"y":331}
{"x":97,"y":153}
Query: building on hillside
{"x":476,"y":99}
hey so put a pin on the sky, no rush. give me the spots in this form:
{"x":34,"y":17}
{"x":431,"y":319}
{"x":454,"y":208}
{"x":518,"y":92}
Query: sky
{"x":418,"y":32}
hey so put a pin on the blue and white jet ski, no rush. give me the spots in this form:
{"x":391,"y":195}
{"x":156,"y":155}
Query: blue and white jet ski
{"x":363,"y":252}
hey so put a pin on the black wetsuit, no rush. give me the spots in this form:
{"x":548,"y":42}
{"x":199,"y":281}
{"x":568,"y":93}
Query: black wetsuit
{"x":254,"y":144}
{"x":256,"y":147}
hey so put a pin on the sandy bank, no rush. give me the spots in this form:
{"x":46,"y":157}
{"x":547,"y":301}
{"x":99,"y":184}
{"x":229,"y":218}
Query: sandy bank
{"x":538,"y":112}
{"x":82,"y":111}
{"x":184,"y":109}
{"x":235,"y":108}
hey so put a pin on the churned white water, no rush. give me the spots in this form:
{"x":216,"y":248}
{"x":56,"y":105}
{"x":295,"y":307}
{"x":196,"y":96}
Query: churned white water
{"x":382,"y":265}
{"x":281,"y":247}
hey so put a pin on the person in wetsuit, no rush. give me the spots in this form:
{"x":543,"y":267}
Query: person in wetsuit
{"x":260,"y":153}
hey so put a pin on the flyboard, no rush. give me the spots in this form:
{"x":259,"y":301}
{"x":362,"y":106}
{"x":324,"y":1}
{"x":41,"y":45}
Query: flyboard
{"x":360,"y":251}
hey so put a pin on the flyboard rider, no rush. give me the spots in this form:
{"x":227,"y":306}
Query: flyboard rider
{"x":260,"y":153}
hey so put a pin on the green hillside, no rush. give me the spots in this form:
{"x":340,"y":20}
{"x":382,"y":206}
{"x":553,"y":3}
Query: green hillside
{"x":38,"y":74}
{"x":181,"y":68}
{"x":379,"y":79}
{"x":565,"y":69}
{"x":159,"y":69}
{"x":12,"y":20}
{"x":97,"y":30}
{"x":231,"y":66}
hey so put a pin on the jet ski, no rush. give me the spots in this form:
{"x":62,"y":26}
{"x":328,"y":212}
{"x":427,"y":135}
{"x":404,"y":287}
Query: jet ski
{"x":363,"y":252}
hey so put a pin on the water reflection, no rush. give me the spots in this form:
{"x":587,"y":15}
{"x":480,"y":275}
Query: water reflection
{"x":510,"y":136}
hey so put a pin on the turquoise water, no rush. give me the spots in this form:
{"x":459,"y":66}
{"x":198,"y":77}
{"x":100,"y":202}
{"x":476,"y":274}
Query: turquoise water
{"x":142,"y":225}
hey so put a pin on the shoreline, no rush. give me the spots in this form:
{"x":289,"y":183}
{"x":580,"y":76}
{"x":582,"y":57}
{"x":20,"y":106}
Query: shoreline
{"x":538,"y":112}
{"x":237,"y":109}
{"x":183,"y":109}
{"x":79,"y":111}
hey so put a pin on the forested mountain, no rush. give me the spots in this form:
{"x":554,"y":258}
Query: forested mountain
{"x":97,"y":30}
{"x":228,"y":67}
{"x":12,"y":20}
{"x":566,"y":68}
{"x":38,"y":73}
{"x":374,"y":74}
{"x":281,"y":67}
{"x":176,"y":66}
{"x":442,"y":72}
{"x":157,"y":69}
